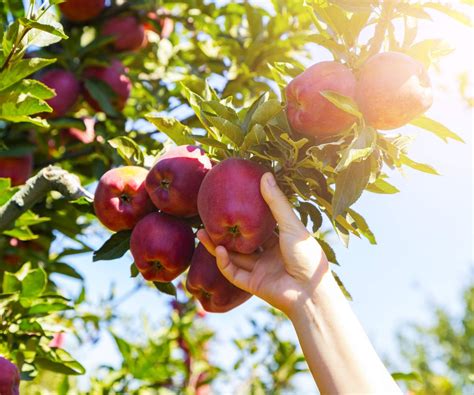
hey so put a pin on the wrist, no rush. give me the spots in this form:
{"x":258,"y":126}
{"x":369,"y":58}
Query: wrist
{"x":316,"y":300}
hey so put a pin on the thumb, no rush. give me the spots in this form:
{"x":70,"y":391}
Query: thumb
{"x":280,"y":206}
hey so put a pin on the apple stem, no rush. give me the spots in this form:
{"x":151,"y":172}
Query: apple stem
{"x":51,"y":178}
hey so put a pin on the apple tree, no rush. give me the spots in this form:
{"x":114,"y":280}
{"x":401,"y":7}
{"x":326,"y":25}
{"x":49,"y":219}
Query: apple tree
{"x":171,"y":111}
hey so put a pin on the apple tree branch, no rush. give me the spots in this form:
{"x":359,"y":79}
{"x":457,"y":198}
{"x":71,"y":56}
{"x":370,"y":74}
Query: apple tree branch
{"x":51,"y":178}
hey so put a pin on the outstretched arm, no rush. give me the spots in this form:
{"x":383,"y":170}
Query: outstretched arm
{"x":291,"y":273}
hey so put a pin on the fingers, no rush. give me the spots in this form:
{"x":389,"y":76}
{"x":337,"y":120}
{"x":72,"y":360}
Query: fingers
{"x":206,"y":240}
{"x":236,"y":275}
{"x":279,"y":205}
{"x":244,"y":261}
{"x":271,"y":242}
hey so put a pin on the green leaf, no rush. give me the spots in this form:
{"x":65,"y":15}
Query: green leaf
{"x":342,"y":286}
{"x":6,"y":193}
{"x":56,"y":30}
{"x":35,"y":88}
{"x":10,"y":37}
{"x":34,"y":283}
{"x":195,"y":101}
{"x":11,"y":284}
{"x":47,"y":308}
{"x":342,"y":102}
{"x":44,"y":33}
{"x":382,"y":186}
{"x":256,"y":136}
{"x":15,"y":106}
{"x":313,"y":213}
{"x":436,"y":127}
{"x":29,"y":218}
{"x":133,"y":270}
{"x":350,"y":184}
{"x":128,"y":150}
{"x":115,"y":247}
{"x":250,"y":111}
{"x":362,"y":226}
{"x":175,"y":130}
{"x":221,"y":110}
{"x":411,"y":376}
{"x":64,"y":269}
{"x":418,"y":166}
{"x":359,"y":149}
{"x":328,"y":251}
{"x":103,"y":94}
{"x":232,"y":131}
{"x":210,"y":142}
{"x":84,"y":205}
{"x":265,"y":112}
{"x":40,"y":122}
{"x":167,"y":288}
{"x":20,"y":70}
{"x":60,"y":361}
{"x":23,"y":234}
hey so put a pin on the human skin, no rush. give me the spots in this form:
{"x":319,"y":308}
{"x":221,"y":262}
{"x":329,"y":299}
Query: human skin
{"x":81,"y":10}
{"x":17,"y":168}
{"x":9,"y":378}
{"x":121,"y":200}
{"x":114,"y":76}
{"x":67,"y":88}
{"x":392,"y":90}
{"x":129,"y":33}
{"x":162,"y":247}
{"x":174,"y":181}
{"x":309,"y":112}
{"x":292,"y":274}
{"x":231,"y":206}
{"x":205,"y":281}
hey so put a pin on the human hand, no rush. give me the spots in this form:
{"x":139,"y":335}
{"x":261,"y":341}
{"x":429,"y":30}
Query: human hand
{"x":289,"y":267}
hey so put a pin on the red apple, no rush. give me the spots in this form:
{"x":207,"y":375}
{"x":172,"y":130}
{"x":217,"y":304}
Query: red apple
{"x":173,"y":183}
{"x":86,"y":135}
{"x":17,"y":168}
{"x":114,"y":76}
{"x":232,"y":208}
{"x":309,"y":112}
{"x":209,"y":286}
{"x":67,"y":89}
{"x":121,"y":200}
{"x":129,"y":33}
{"x":162,"y":247}
{"x":81,"y":10}
{"x":9,"y":378}
{"x":392,"y":90}
{"x":159,"y":23}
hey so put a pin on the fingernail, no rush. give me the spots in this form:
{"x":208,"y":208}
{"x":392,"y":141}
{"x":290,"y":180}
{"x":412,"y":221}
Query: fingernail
{"x":270,"y":180}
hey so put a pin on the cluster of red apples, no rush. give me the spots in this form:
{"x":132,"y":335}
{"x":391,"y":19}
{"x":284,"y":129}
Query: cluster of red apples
{"x":160,"y":204}
{"x":390,"y":90}
{"x":129,"y":34}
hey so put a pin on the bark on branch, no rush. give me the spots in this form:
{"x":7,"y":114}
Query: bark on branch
{"x":50,"y":178}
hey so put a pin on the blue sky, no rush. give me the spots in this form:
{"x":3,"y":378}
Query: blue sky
{"x":424,"y":254}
